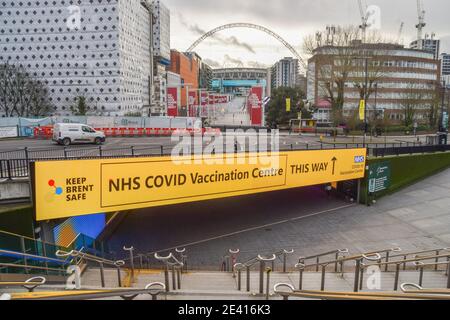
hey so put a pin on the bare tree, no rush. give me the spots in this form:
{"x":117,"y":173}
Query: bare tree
{"x":339,"y":62}
{"x":22,"y":95}
{"x":412,"y":102}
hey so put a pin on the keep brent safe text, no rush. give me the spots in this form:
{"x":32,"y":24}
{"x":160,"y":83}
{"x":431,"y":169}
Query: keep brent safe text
{"x":77,"y":189}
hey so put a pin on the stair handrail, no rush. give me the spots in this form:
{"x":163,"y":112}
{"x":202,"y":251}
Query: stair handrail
{"x":89,"y":257}
{"x":360,"y":256}
{"x":28,"y":255}
{"x":354,"y":295}
{"x":29,"y":284}
{"x":125,"y":294}
{"x":251,"y":262}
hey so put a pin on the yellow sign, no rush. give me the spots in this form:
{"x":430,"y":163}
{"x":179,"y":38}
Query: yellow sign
{"x":362,"y":110}
{"x":288,"y":105}
{"x":79,"y":187}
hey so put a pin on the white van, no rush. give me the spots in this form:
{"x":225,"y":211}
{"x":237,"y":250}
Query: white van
{"x":68,"y":133}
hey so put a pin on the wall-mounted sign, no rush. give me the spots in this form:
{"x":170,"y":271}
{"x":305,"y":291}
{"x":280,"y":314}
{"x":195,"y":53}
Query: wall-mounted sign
{"x":379,"y":177}
{"x":78,"y":187}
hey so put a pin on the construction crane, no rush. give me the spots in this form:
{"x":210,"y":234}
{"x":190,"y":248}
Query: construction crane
{"x":421,"y":14}
{"x":364,"y":19}
{"x":400,"y":32}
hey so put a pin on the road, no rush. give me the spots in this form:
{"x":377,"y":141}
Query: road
{"x":9,"y":149}
{"x":228,"y":114}
{"x":235,"y":113}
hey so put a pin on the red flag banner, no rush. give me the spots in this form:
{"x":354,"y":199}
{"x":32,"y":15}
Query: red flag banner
{"x":172,"y":102}
{"x":255,"y":102}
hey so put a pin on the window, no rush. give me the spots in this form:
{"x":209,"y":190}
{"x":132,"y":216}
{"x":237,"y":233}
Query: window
{"x":87,"y":129}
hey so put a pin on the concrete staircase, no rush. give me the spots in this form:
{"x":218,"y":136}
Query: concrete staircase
{"x":222,"y":285}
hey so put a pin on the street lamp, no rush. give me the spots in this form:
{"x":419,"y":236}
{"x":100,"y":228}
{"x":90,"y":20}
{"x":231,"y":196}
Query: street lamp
{"x":443,"y":126}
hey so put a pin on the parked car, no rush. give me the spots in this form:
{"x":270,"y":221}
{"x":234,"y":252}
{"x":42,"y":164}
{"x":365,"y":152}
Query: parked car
{"x":69,"y":133}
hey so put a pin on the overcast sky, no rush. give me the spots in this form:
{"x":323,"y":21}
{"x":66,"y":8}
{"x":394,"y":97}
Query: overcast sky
{"x":292,"y":20}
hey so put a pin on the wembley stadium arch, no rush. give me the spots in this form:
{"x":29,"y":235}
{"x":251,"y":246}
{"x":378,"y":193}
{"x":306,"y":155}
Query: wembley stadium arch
{"x":249,"y":26}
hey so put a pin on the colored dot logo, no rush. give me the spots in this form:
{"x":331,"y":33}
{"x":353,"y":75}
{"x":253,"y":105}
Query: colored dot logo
{"x":58,"y":190}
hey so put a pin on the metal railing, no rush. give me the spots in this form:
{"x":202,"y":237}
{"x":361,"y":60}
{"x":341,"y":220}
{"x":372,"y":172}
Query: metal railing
{"x":418,"y":263}
{"x":26,"y":245}
{"x":409,"y":149}
{"x":83,"y":256}
{"x":30,"y":262}
{"x":171,"y":263}
{"x":153,"y":289}
{"x":15,"y":164}
{"x":415,"y":254}
{"x":357,"y":259}
{"x":262,"y":260}
{"x":29,"y":284}
{"x":322,"y":295}
{"x":335,"y":253}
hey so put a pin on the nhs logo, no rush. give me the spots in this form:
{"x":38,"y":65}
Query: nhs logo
{"x":359,"y":159}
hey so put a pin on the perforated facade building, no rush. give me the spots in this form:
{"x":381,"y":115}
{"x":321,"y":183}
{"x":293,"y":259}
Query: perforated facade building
{"x":100,"y":49}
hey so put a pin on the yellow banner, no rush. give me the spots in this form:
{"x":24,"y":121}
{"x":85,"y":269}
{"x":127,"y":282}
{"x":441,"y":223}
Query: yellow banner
{"x":362,"y":110}
{"x":288,"y":105}
{"x":79,"y":187}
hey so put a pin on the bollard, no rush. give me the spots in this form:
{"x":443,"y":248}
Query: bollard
{"x":361,"y":279}
{"x":239,"y":279}
{"x":102,"y":274}
{"x":421,"y":276}
{"x":166,"y":277}
{"x":179,"y":277}
{"x":248,"y":278}
{"x":448,"y":276}
{"x":437,"y":261}
{"x":119,"y":278}
{"x":174,"y":285}
{"x":448,"y":263}
{"x":387,"y":260}
{"x":300,"y":280}
{"x":357,"y":271}
{"x":268,"y":283}
{"x":262,"y":266}
{"x":131,"y":260}
{"x":336,"y":264}
{"x":284,"y":262}
{"x":397,"y":275}
{"x":322,"y":282}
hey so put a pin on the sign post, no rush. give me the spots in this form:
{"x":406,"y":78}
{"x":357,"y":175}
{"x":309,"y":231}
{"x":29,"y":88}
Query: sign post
{"x":379,"y":177}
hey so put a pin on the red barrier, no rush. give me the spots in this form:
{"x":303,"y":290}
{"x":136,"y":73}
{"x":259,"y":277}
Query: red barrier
{"x":47,"y":132}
